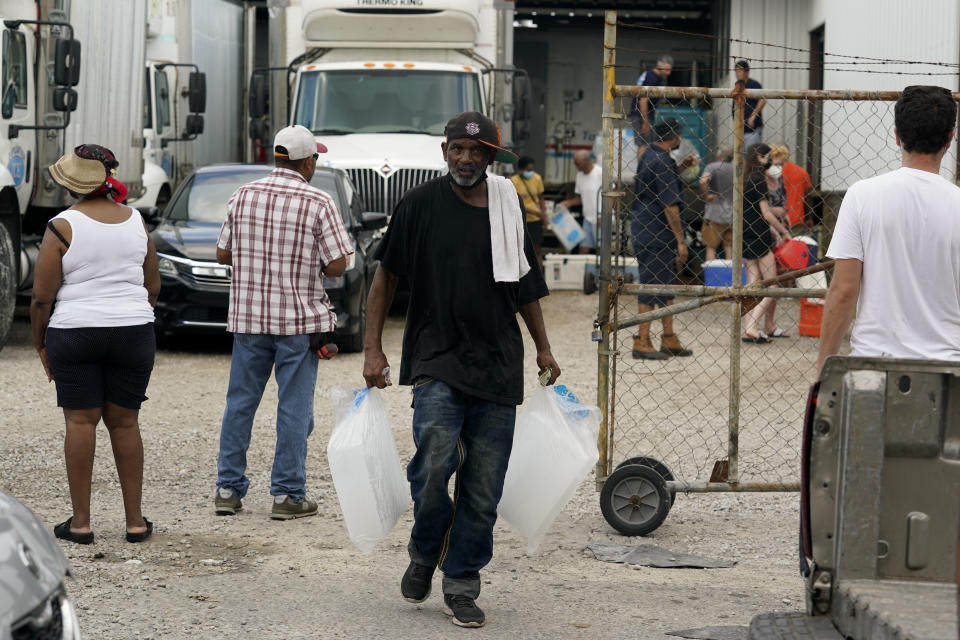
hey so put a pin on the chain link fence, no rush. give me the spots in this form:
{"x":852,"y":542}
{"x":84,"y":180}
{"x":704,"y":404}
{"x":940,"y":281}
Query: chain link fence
{"x":702,"y":379}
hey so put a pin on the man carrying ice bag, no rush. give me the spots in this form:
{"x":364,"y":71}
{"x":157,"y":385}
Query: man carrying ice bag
{"x":460,"y":241}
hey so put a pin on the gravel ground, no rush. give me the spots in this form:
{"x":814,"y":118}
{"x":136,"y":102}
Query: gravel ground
{"x":201,"y":576}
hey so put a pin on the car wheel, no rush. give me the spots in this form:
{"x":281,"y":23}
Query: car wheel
{"x":8,"y":284}
{"x":354,"y":343}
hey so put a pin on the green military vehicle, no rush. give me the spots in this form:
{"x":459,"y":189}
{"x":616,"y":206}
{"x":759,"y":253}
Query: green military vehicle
{"x":880,"y":505}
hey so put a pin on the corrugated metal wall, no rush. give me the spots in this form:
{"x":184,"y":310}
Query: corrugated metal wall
{"x":218,"y":51}
{"x":857,"y":139}
{"x":110,"y":106}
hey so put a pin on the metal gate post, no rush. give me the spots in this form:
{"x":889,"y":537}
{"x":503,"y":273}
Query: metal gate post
{"x":733,"y":419}
{"x":606,"y":222}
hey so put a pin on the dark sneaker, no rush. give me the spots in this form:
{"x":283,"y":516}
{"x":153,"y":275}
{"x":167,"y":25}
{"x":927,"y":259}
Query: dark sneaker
{"x":227,"y":502}
{"x":464,"y":610}
{"x":416,"y":583}
{"x":286,"y":508}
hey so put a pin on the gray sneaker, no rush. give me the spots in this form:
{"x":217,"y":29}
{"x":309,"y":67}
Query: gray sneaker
{"x":464,"y":611}
{"x":226,"y":502}
{"x":286,"y":508}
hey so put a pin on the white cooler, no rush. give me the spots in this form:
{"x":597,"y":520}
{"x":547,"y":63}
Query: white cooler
{"x":565,"y":271}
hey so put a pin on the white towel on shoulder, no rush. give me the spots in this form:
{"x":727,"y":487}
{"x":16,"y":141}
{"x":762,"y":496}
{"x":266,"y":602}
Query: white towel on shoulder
{"x":506,"y":230}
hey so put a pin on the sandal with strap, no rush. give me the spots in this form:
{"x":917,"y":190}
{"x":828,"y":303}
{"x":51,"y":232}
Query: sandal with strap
{"x":63,"y":532}
{"x":142,"y":535}
{"x":778,"y":333}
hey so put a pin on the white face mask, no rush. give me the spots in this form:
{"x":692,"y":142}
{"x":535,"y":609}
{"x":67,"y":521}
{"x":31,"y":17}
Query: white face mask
{"x":775,"y":171}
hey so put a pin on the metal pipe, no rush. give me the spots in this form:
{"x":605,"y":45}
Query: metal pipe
{"x":733,"y":404}
{"x":681,"y":486}
{"x":632,"y":91}
{"x":606,"y":218}
{"x":720,"y":292}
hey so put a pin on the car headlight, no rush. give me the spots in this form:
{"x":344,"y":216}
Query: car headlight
{"x":167,"y":267}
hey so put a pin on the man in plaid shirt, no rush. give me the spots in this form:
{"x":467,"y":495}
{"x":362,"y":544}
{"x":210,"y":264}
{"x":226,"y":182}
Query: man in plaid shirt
{"x":280,"y":235}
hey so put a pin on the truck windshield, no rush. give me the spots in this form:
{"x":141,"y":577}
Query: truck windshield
{"x":389,"y":101}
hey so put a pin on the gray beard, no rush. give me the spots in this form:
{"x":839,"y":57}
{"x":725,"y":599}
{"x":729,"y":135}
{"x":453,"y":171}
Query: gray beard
{"x":469,"y":185}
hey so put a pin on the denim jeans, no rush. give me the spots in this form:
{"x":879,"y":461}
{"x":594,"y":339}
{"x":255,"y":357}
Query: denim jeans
{"x":295,"y":364}
{"x":752,"y":137}
{"x":457,"y":433}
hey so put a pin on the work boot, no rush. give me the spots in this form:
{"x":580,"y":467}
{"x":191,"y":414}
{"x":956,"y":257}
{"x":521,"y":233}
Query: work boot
{"x":286,"y":508}
{"x":643,"y":349}
{"x":671,"y":346}
{"x":226,"y":502}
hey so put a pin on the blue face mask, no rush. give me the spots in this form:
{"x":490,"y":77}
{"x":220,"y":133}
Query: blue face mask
{"x":527,"y":175}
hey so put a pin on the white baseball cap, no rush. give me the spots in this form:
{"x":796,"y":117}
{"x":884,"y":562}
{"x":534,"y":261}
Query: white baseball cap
{"x":298,"y":141}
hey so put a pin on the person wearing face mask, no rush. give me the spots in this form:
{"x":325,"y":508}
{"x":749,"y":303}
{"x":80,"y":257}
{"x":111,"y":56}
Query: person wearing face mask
{"x":586,"y":189}
{"x":529,"y":185}
{"x":460,"y":241}
{"x":776,"y":194}
{"x":762,"y":231}
{"x":657,"y":233}
{"x":796,"y":185}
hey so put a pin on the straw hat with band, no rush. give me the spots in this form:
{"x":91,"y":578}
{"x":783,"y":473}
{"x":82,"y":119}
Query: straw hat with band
{"x":476,"y":126}
{"x":88,"y":170}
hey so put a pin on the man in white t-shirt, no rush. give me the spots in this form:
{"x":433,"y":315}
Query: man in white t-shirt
{"x":587,"y":190}
{"x":897,"y":246}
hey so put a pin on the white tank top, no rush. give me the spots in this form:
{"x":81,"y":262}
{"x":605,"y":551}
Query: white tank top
{"x":103,"y":274}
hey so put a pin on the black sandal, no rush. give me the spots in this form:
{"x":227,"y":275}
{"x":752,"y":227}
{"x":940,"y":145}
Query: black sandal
{"x":143,"y":535}
{"x":63,"y":532}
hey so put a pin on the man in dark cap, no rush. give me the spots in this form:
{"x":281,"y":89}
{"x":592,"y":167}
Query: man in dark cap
{"x":657,"y":233}
{"x":460,"y":241}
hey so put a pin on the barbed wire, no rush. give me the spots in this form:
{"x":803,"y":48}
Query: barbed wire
{"x":806,"y":63}
{"x":710,"y":36}
{"x":779,"y":68}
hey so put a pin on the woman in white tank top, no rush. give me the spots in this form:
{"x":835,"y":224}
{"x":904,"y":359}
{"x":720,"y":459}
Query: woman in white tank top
{"x":99,"y":266}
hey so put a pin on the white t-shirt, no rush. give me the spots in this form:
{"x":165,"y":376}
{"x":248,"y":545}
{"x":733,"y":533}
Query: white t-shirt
{"x":905,"y":228}
{"x":587,"y":186}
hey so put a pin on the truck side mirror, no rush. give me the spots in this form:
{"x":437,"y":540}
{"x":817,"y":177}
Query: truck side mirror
{"x":258,"y":95}
{"x":194,"y":124}
{"x":64,"y":99}
{"x":521,"y":98}
{"x":258,"y":129}
{"x":197,"y":93}
{"x":66,"y":65}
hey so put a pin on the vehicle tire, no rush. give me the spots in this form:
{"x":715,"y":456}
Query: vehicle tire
{"x":634,"y":500}
{"x":657,"y":466}
{"x":589,"y":282}
{"x":8,"y":284}
{"x":354,"y":343}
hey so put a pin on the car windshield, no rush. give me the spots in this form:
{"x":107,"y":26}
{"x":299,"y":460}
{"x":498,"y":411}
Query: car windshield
{"x":388,"y":101}
{"x":205,"y":200}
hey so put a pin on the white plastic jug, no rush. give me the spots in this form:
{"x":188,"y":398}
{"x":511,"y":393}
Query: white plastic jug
{"x":365,"y":467}
{"x":565,"y":227}
{"x":554,"y":448}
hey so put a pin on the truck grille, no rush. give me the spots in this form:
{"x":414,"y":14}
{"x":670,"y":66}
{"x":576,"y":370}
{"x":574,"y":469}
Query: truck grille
{"x":382,"y":194}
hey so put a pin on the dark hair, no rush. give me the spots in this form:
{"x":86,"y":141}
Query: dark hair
{"x":287,"y":163}
{"x":742,"y":64}
{"x":752,"y":161}
{"x":925,"y":116}
{"x":523,"y":162}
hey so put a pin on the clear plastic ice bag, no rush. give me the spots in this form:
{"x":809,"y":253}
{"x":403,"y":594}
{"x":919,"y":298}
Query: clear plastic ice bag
{"x":365,"y":467}
{"x":554,"y":448}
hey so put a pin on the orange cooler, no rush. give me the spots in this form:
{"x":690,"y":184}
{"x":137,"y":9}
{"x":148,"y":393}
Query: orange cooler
{"x":811,"y":314}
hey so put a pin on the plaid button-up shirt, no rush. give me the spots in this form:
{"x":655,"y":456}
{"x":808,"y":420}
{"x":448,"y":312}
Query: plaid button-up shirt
{"x":281,"y":232}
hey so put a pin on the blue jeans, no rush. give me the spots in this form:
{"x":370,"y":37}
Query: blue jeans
{"x":752,"y":137}
{"x":254,"y":355}
{"x":457,"y":433}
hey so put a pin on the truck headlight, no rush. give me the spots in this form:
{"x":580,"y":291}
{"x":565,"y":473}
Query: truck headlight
{"x":167,"y":267}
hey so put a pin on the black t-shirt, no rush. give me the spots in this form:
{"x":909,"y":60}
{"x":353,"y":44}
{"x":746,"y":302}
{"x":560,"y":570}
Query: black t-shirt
{"x":461,"y":325}
{"x":757,"y":240}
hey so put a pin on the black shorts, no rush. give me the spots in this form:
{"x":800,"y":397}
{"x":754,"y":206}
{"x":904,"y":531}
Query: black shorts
{"x":95,"y":365}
